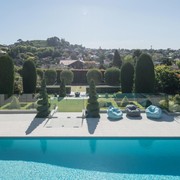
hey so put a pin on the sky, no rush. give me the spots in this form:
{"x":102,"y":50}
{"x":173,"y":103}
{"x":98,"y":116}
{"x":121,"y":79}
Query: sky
{"x":109,"y":24}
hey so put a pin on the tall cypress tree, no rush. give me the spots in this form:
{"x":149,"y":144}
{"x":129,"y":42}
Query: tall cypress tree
{"x":93,"y":105}
{"x":127,"y":77}
{"x":43,"y":107}
{"x":6,"y":75}
{"x":144,"y":74}
{"x":117,"y":62}
{"x":29,"y":77}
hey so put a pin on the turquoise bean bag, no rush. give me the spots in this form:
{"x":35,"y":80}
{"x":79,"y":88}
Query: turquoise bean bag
{"x":114,"y":113}
{"x":153,"y":112}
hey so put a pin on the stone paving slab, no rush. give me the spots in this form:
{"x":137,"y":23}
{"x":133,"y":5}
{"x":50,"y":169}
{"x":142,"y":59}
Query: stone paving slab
{"x":26,"y":125}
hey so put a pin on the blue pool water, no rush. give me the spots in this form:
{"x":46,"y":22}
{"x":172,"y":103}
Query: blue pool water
{"x":93,"y":158}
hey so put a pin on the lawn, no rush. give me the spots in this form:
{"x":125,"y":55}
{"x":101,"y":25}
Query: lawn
{"x":69,"y":105}
{"x":78,"y":88}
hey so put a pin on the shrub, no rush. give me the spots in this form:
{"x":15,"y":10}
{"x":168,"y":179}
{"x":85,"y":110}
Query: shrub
{"x":127,"y":78}
{"x":40,"y":73}
{"x":177,"y":99}
{"x":104,"y":103}
{"x":95,"y":75}
{"x":166,"y":80}
{"x":43,"y":105}
{"x":6,"y":75}
{"x":124,"y":101}
{"x":144,"y":74}
{"x":164,"y":104}
{"x":67,"y":75}
{"x":29,"y":77}
{"x":14,"y":103}
{"x":50,"y":76}
{"x":112,"y":76}
{"x":93,"y":105}
{"x":62,"y":90}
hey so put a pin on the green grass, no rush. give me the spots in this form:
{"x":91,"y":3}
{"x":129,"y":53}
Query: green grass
{"x":69,"y":105}
{"x":78,"y":88}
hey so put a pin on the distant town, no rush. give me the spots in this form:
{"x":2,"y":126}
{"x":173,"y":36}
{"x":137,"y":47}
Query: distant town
{"x":59,"y":53}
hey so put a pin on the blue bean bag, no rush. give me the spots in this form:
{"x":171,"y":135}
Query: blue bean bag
{"x":153,"y":112}
{"x":114,"y":113}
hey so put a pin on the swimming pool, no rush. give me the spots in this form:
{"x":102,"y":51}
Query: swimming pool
{"x":89,"y":158}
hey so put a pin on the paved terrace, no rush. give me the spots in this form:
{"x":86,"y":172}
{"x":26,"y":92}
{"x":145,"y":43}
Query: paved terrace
{"x":73,"y":125}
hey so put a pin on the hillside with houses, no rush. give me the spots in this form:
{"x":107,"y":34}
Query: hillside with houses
{"x":59,"y":53}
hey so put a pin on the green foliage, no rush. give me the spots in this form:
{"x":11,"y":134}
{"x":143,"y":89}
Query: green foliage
{"x":178,"y":63}
{"x":166,"y":80}
{"x":29,"y":77}
{"x":93,"y":105}
{"x":127,"y":77}
{"x":14,"y":103}
{"x":95,"y":75}
{"x":62,"y":90}
{"x":144,"y":74}
{"x":53,"y":41}
{"x":117,"y":62}
{"x":50,"y":76}
{"x":43,"y":105}
{"x":67,"y":75}
{"x":176,"y":99}
{"x":137,"y":53}
{"x":124,"y":102}
{"x":104,"y":103}
{"x":164,"y":104}
{"x":6,"y":75}
{"x":39,"y":72}
{"x":128,"y":59}
{"x":112,"y":76}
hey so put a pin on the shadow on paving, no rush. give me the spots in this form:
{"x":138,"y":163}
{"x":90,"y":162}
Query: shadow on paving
{"x":34,"y":124}
{"x":164,"y":118}
{"x":92,"y":124}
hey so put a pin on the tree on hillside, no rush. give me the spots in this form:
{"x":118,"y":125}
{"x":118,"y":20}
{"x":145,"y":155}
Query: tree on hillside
{"x":117,"y":62}
{"x":144,"y":74}
{"x":6,"y":75}
{"x":43,"y":107}
{"x":53,"y":41}
{"x":93,"y":105}
{"x":127,"y":77}
{"x":29,"y":75}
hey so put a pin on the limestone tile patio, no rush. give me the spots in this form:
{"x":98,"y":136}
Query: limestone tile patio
{"x":73,"y":125}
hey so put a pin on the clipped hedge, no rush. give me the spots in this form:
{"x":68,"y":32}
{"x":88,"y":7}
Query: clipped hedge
{"x":105,"y":89}
{"x":54,"y":89}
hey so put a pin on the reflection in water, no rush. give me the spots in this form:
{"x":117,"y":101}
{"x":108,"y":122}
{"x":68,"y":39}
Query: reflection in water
{"x":92,"y":144}
{"x":43,"y":145}
{"x":146,"y":143}
{"x":6,"y":144}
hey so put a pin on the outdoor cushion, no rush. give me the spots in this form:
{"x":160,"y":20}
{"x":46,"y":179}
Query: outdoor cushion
{"x":153,"y":112}
{"x":132,"y":110}
{"x":114,"y":113}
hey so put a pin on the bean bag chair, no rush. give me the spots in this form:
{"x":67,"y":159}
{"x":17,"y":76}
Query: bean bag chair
{"x":153,"y":112}
{"x":132,"y":111}
{"x":114,"y":113}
